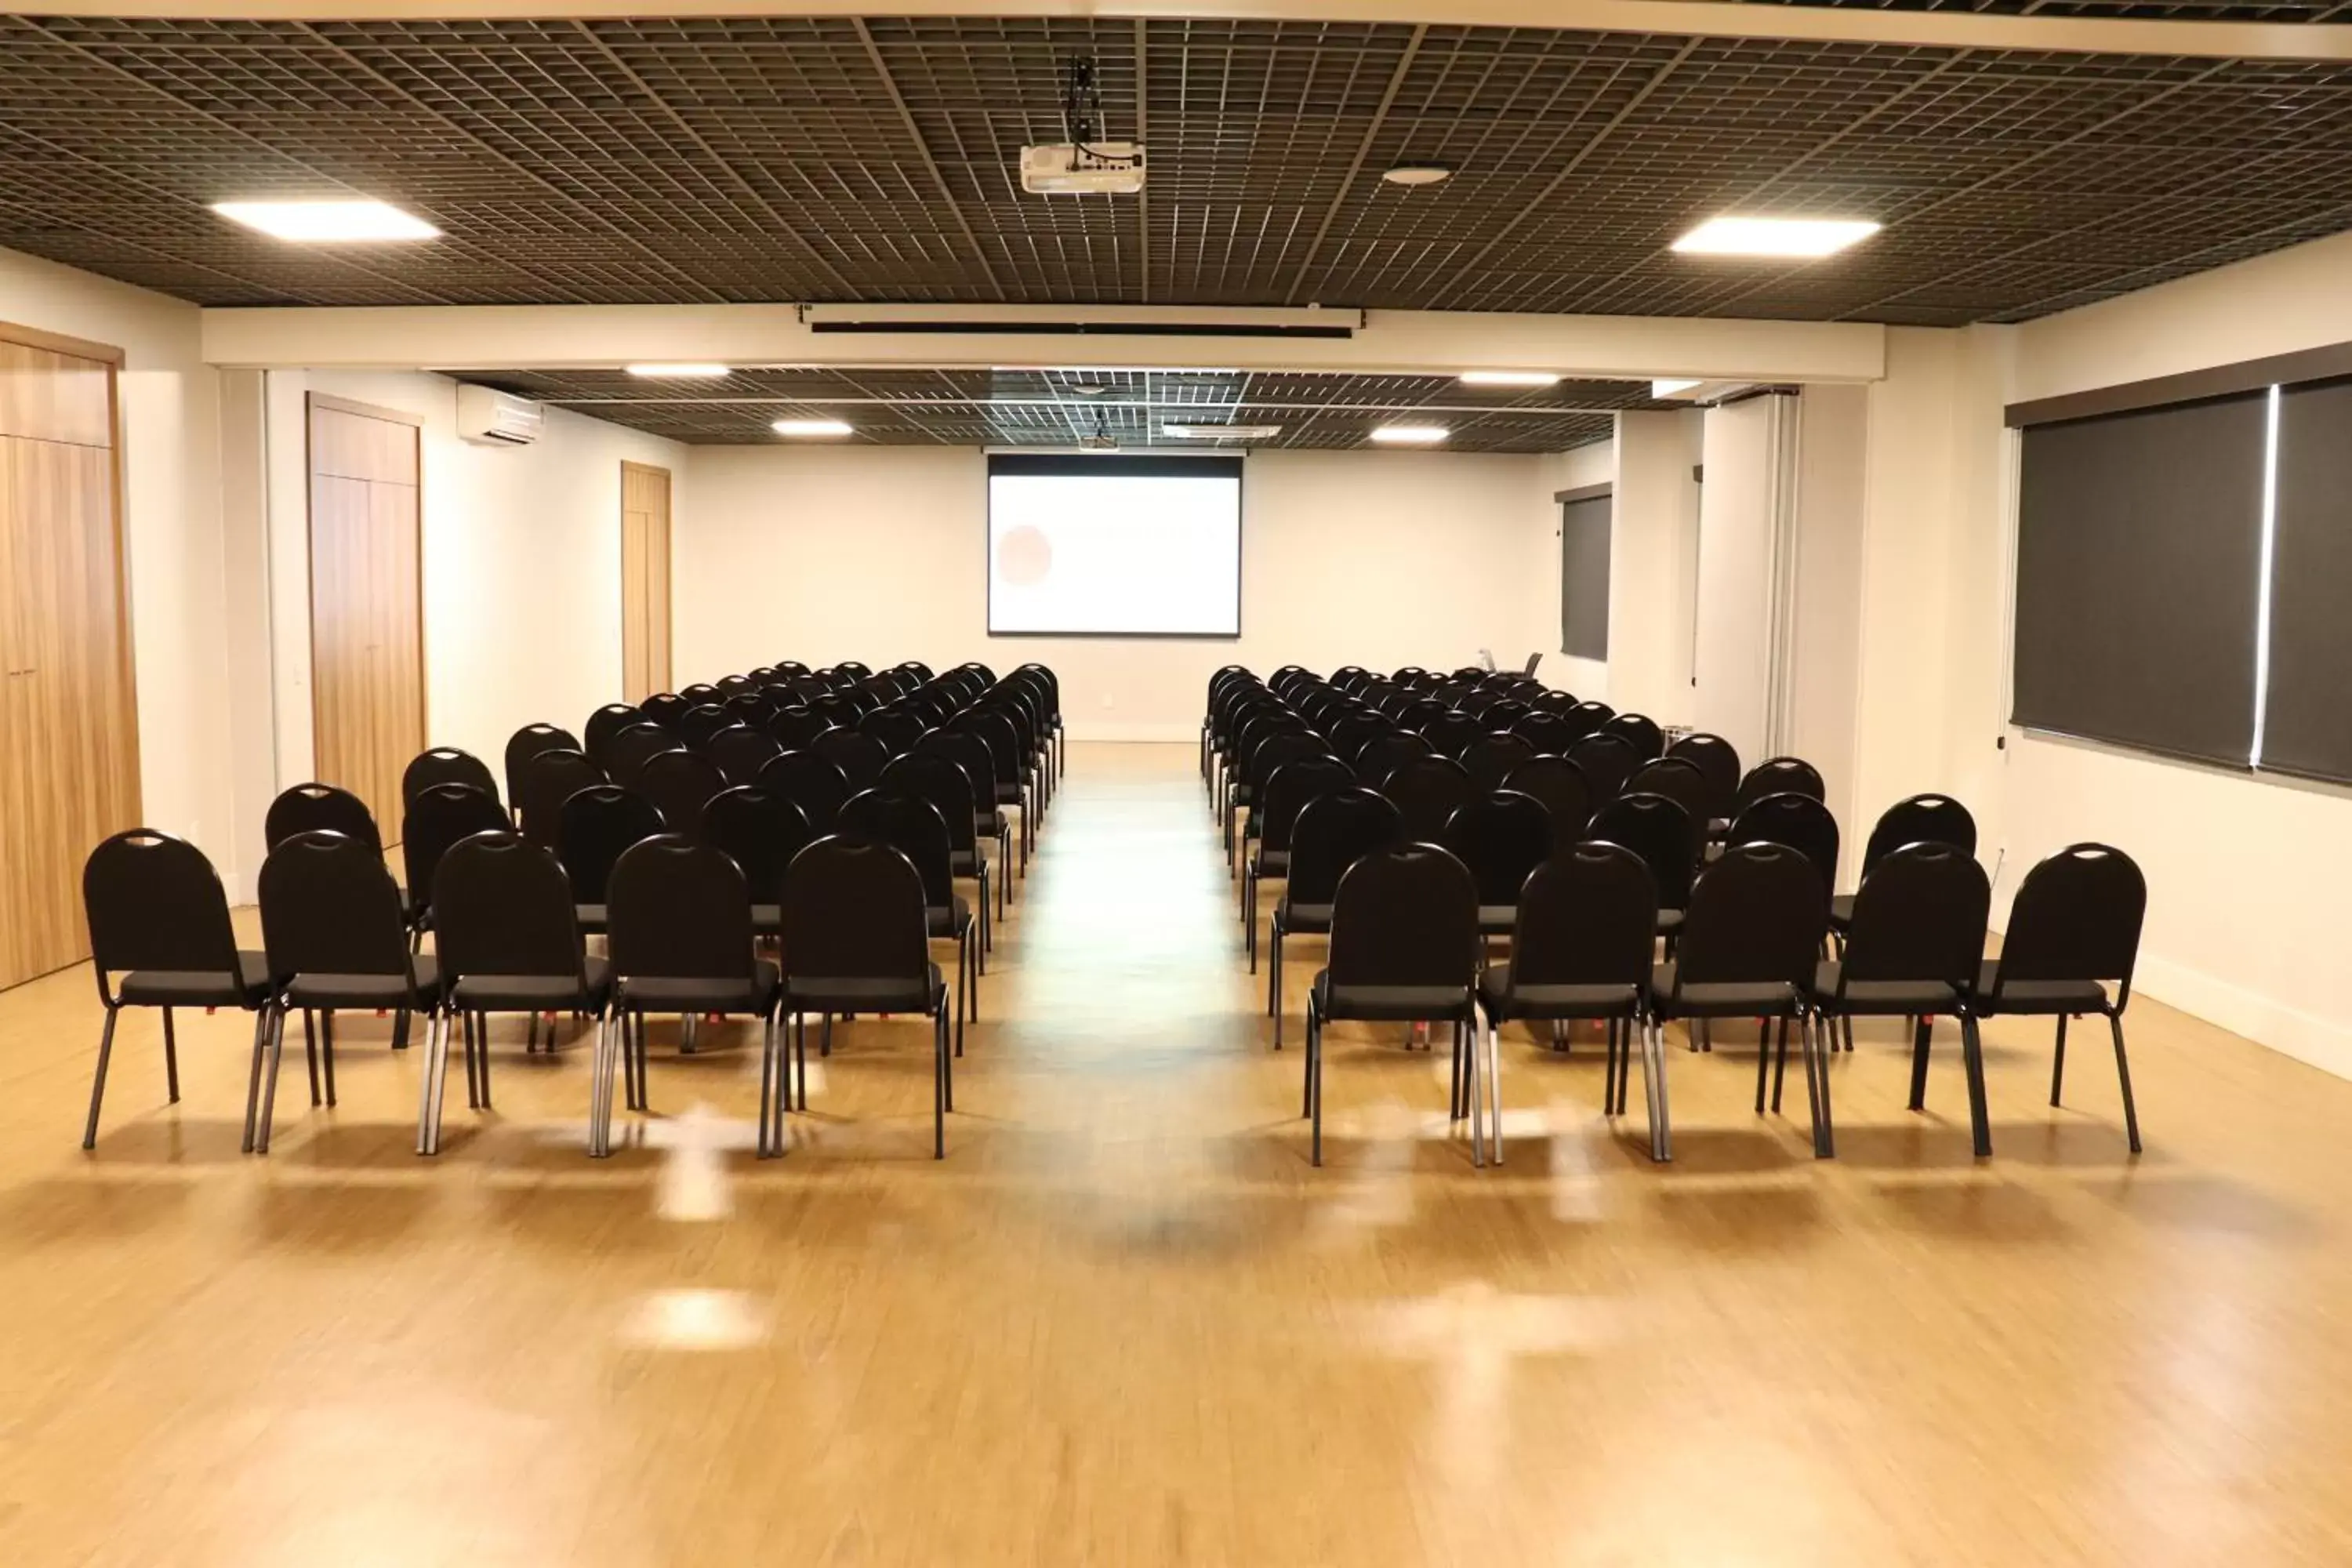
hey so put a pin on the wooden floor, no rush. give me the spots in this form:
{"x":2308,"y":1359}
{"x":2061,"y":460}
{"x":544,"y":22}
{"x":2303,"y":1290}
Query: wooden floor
{"x":1126,"y":1322}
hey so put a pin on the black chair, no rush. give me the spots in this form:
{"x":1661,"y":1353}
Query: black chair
{"x":627,"y":753}
{"x":1385,"y":755}
{"x":741,"y":751}
{"x":760,"y":830}
{"x":970,"y":753}
{"x":796,"y":727}
{"x":680,"y":942}
{"x":665,"y":708}
{"x":508,"y":942}
{"x":440,"y":765}
{"x":696,"y":725}
{"x":160,"y":937}
{"x":1287,"y":790}
{"x":439,"y":818}
{"x":604,"y":724}
{"x":860,"y":757}
{"x":549,"y":779}
{"x":1638,"y":731}
{"x":1501,"y":838}
{"x":1452,"y":735}
{"x":916,"y":828}
{"x":815,"y":785}
{"x":1332,"y":834}
{"x":750,"y":708}
{"x":1491,"y":757}
{"x":856,"y":939}
{"x":526,"y":743}
{"x":1921,"y":819}
{"x":1800,"y":821}
{"x":1428,"y":791}
{"x":1781,"y":775}
{"x":895,"y":728}
{"x":1915,"y":946}
{"x":1581,"y":949}
{"x":680,"y":783}
{"x":336,"y":933}
{"x":316,"y":808}
{"x":2073,"y":929}
{"x":1747,"y":950}
{"x":1608,"y":761}
{"x":1587,"y":717}
{"x":1550,"y":733}
{"x":1011,"y":791}
{"x":595,"y":828}
{"x":1560,"y":786}
{"x":1269,"y":757}
{"x":1679,"y":781}
{"x":1663,"y":835}
{"x":701,"y":694}
{"x":1718,"y":760}
{"x":943,"y":781}
{"x":1405,"y":948}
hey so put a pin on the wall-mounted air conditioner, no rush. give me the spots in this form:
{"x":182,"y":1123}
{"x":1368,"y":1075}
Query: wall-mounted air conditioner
{"x":489,"y":417}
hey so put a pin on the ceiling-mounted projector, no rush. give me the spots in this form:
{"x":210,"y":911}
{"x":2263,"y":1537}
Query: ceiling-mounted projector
{"x":1109,"y":168}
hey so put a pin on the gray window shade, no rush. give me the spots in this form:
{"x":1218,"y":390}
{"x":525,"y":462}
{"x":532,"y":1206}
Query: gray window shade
{"x":2138,"y":546}
{"x":2308,"y":726}
{"x":1584,"y":577}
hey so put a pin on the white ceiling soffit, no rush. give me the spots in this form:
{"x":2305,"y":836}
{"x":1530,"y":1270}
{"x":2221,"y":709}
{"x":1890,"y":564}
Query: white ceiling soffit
{"x":1687,"y":18}
{"x":493,"y":337}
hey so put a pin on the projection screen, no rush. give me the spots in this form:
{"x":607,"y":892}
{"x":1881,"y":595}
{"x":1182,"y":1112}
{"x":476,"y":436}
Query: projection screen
{"x":1110,"y":545}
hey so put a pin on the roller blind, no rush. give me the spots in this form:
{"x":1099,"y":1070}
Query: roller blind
{"x":2138,"y":549}
{"x":1584,"y":577}
{"x":2307,"y":727}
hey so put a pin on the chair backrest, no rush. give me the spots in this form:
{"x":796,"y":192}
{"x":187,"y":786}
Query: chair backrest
{"x":968,"y":753}
{"x":2076,"y":916}
{"x":664,"y":708}
{"x":760,"y":829}
{"x":943,"y":782}
{"x":1662,"y":833}
{"x":741,"y":751}
{"x":910,"y":825}
{"x":1454,"y":733}
{"x":595,"y":828}
{"x":153,"y":901}
{"x":1781,"y":775}
{"x":1384,"y":754}
{"x":1799,"y":821}
{"x":680,"y":783}
{"x":502,"y":905}
{"x":853,"y":910}
{"x":1405,"y":914}
{"x":604,"y":724}
{"x":677,"y":910}
{"x":1288,"y":789}
{"x":1588,"y":716}
{"x":1550,"y":733}
{"x":696,"y":725}
{"x":1331,"y":832}
{"x":1588,"y":916}
{"x":817,"y":786}
{"x":1277,"y":752}
{"x":1491,"y":757}
{"x":1680,"y":781}
{"x":700,"y":694}
{"x":859,"y":756}
{"x":1921,"y":819}
{"x":528,"y":742}
{"x":437,"y":818}
{"x":626,"y":753}
{"x":1638,"y":731}
{"x":1428,"y":790}
{"x":1560,"y":786}
{"x":548,"y":780}
{"x":1718,"y":759}
{"x":895,"y":728}
{"x":1757,"y":915}
{"x":750,"y":708}
{"x":1920,"y":915}
{"x":444,"y":764}
{"x":329,"y":907}
{"x":1501,"y":838}
{"x":1608,"y":761}
{"x":311,"y":807}
{"x":796,"y":727}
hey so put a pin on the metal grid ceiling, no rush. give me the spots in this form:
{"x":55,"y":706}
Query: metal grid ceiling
{"x":765,"y":159}
{"x":1053,"y":409}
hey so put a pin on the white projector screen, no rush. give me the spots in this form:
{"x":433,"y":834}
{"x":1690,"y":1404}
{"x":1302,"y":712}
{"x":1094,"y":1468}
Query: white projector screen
{"x":1114,"y":546}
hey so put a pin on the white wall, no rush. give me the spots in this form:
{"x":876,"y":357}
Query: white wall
{"x":1653,"y":564}
{"x":1742,"y":454}
{"x":521,"y":559}
{"x":1823,"y":682}
{"x":181,"y":633}
{"x":1373,"y":558}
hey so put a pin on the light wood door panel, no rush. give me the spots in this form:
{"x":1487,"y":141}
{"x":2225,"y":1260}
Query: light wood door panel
{"x":367,"y":646}
{"x":46,"y":395}
{"x":645,"y":581}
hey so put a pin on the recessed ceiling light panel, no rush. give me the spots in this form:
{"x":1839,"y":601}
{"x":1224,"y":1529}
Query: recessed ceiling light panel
{"x":1410,"y":434}
{"x":1669,"y":385}
{"x":1785,"y":236}
{"x":1220,"y":432}
{"x":326,"y":222}
{"x":683,"y":370}
{"x":1417,"y":174}
{"x":1508,"y":378}
{"x":811,"y":429}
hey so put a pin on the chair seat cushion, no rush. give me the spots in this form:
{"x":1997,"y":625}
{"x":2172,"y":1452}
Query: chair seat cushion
{"x":1503,"y":1000}
{"x":989,"y":823}
{"x":1240,"y":796}
{"x":963,"y":862}
{"x":1669,"y":921}
{"x":534,"y":993}
{"x":589,"y":916}
{"x":1497,"y":920}
{"x":1274,"y":863}
{"x":1883,"y":999}
{"x":365,"y":990}
{"x":250,"y":987}
{"x":1303,"y":916}
{"x":1008,"y":794}
{"x":1720,"y":999}
{"x":1397,"y":1003}
{"x":861,"y":993}
{"x":754,"y":992}
{"x":1841,"y":910}
{"x":2038,"y":996}
{"x":949,"y":920}
{"x":767,"y":919}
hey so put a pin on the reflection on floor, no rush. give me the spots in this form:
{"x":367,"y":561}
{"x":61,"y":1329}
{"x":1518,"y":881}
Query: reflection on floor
{"x":1125,"y":1321}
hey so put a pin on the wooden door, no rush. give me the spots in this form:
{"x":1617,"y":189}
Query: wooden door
{"x":367,"y":642}
{"x":645,"y":581}
{"x":69,"y":722}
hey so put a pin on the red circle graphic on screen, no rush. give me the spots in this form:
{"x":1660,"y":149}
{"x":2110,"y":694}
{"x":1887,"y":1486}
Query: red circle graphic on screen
{"x":1024,"y":557}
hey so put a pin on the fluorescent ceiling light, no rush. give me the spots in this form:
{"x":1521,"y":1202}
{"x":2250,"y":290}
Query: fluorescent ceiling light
{"x":682,"y":371}
{"x":1667,"y":388}
{"x":1417,"y":174}
{"x":1410,"y":434}
{"x":1509,"y":378}
{"x":1798,"y":237}
{"x":321,"y":221}
{"x":812,"y":427}
{"x":1220,"y":432}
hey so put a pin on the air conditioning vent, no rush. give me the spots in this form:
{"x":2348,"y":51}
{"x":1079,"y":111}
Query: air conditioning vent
{"x":489,"y":417}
